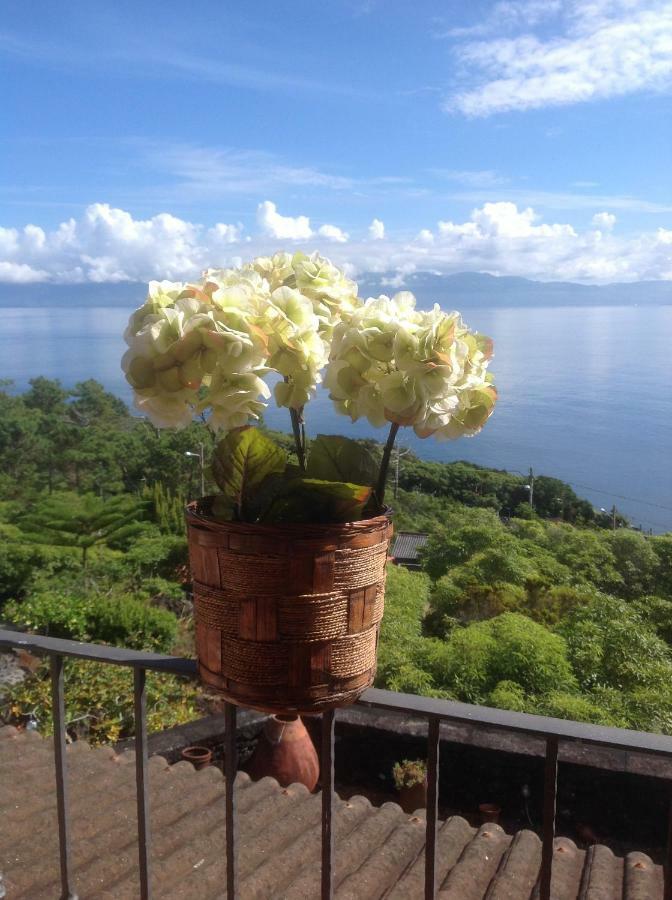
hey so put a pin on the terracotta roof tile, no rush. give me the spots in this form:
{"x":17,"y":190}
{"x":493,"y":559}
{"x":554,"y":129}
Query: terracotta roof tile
{"x":380,"y":851}
{"x":406,"y":545}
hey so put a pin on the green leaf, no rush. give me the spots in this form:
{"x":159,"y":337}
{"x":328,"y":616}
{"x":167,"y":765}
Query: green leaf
{"x":242,"y":460}
{"x":311,"y":500}
{"x":336,"y":458}
{"x":223,"y":509}
{"x":268,"y":490}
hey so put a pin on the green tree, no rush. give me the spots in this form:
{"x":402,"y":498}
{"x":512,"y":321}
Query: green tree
{"x":511,"y":648}
{"x":635,"y":561}
{"x":588,"y":554}
{"x":611,"y":645}
{"x":401,"y":633}
{"x":82,"y":521}
{"x":662,"y":576}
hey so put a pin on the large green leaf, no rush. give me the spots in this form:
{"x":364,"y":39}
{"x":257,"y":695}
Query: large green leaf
{"x":304,"y":500}
{"x":264,"y":495}
{"x":337,"y":458}
{"x":242,"y":460}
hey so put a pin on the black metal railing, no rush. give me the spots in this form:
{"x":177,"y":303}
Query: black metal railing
{"x":553,"y":731}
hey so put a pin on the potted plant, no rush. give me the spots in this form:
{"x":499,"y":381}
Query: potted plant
{"x":410,"y":779}
{"x":288,"y":561}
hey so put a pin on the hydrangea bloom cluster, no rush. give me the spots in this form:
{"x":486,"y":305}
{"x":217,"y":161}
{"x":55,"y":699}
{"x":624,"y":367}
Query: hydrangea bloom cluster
{"x":206,"y":345}
{"x":393,"y":363}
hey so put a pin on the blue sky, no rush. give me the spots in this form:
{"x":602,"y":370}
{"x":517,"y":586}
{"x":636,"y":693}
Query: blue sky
{"x":529,"y":137}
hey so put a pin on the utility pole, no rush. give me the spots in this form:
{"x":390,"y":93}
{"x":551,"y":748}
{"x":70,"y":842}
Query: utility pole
{"x":200,"y":456}
{"x":613,"y":517}
{"x":398,"y":453}
{"x":531,"y":488}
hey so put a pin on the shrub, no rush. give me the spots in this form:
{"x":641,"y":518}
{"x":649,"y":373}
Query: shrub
{"x":409,"y":772}
{"x":401,"y":632}
{"x":508,"y":695}
{"x":20,"y":562}
{"x":529,"y":654}
{"x":466,"y":533}
{"x":60,"y":615}
{"x":657,"y":612}
{"x":125,"y":621}
{"x":99,"y":701}
{"x":121,"y":620}
{"x":578,"y":707}
{"x":588,"y":555}
{"x":454,"y":597}
{"x":549,"y":606}
{"x":635,"y":561}
{"x":662,"y":547}
{"x":156,"y":555}
{"x":460,"y":664}
{"x":649,"y":709}
{"x":610,"y":644}
{"x":509,"y":648}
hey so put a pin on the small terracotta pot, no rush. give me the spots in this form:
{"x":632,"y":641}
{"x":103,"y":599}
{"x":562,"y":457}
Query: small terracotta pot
{"x":199,"y":757}
{"x":489,"y":812}
{"x":285,"y":752}
{"x":414,"y":797}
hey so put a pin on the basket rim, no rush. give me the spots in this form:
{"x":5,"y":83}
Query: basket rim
{"x":198,"y":517}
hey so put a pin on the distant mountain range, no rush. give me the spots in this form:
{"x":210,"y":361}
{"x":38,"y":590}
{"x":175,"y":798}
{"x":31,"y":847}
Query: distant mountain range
{"x":475,"y":289}
{"x":464,"y":289}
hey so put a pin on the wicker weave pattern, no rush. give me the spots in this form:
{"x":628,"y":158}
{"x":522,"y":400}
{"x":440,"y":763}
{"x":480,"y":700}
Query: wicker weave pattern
{"x":287,"y":618}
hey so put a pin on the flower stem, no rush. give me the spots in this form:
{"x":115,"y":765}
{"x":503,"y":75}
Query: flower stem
{"x":385,"y":464}
{"x":296,"y":415}
{"x":299,"y":436}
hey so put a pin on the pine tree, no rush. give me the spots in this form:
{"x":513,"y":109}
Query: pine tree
{"x":82,"y":521}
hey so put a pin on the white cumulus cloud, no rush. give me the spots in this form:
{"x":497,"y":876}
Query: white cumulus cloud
{"x":105,"y":244}
{"x":283,"y":227}
{"x":377,"y":230}
{"x":333,"y":233}
{"x":606,"y":48}
{"x":108,"y":244}
{"x":604,"y":221}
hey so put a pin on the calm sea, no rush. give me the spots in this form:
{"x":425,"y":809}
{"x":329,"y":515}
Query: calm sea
{"x":584,"y":393}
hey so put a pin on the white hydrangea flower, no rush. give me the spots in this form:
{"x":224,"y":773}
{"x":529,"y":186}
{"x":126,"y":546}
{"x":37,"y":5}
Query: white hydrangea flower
{"x":204,"y":345}
{"x":391,"y":362}
{"x":235,"y":399}
{"x":174,"y":410}
{"x":296,"y":349}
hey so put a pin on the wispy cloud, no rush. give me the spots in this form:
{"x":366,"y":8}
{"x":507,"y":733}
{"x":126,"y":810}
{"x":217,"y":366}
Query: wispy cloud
{"x":560,"y":200}
{"x":605,"y":49}
{"x":471,"y":177}
{"x":163,"y":58}
{"x":211,"y":171}
{"x":505,"y":15}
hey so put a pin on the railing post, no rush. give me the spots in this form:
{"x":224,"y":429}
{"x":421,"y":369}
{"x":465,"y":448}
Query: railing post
{"x":230,"y":768}
{"x":58,"y":715}
{"x":142,"y":780}
{"x":432,"y":805}
{"x":548,"y":825}
{"x":667,"y":865}
{"x":327,"y":785}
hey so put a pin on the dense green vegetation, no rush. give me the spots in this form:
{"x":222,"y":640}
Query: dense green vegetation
{"x":543,"y":610}
{"x":535,"y":616}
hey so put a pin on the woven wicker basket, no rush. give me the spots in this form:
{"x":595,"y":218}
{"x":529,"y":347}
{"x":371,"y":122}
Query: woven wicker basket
{"x":287,"y":616}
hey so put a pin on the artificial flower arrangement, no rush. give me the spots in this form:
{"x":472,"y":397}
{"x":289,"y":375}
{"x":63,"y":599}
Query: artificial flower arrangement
{"x":206,"y":347}
{"x":288,"y":561}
